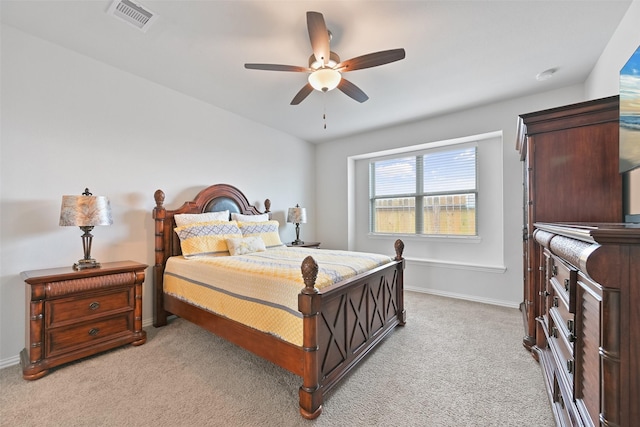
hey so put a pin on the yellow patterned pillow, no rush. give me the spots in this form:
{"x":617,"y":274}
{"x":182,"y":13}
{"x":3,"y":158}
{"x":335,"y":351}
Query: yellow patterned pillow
{"x":245,"y":245}
{"x":207,"y":238}
{"x":267,"y":230}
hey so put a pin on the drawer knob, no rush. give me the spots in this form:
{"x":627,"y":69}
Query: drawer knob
{"x":570,"y":325}
{"x":544,"y":293}
{"x":94,"y":331}
{"x":94,"y":305}
{"x":555,"y":301}
{"x":554,"y":332}
{"x":566,"y":285}
{"x":554,"y":270}
{"x":570,"y":366}
{"x":571,"y":338}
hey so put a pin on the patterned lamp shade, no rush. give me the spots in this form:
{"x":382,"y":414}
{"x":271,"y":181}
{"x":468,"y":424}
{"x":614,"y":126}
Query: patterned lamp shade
{"x":85,"y":211}
{"x":297,"y":215}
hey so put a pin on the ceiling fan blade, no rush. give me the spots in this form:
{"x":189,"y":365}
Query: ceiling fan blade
{"x":277,"y":67}
{"x":319,"y":36}
{"x":302,"y":94}
{"x":371,"y":60}
{"x":352,"y":90}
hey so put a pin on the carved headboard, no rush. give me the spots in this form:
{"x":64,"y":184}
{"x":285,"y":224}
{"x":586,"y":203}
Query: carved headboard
{"x":218,"y":197}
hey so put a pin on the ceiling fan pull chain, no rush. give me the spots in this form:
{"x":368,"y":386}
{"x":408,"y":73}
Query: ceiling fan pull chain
{"x":324,"y":109}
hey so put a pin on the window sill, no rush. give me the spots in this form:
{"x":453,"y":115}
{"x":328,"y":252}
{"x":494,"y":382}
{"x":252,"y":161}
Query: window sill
{"x":429,"y":238}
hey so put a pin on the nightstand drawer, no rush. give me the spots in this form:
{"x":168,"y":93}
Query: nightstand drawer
{"x":72,"y":310}
{"x":62,"y":340}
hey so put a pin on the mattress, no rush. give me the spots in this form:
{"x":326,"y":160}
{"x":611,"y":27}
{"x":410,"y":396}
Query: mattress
{"x":261,"y":289}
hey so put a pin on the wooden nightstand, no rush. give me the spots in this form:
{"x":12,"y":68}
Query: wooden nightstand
{"x":74,"y":314}
{"x":305,"y":245}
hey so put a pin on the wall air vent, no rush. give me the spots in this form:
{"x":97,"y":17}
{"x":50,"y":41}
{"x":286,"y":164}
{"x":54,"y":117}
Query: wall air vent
{"x":132,"y":13}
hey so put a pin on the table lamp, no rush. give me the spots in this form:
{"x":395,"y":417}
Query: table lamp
{"x":85,"y":211}
{"x":297,"y":216}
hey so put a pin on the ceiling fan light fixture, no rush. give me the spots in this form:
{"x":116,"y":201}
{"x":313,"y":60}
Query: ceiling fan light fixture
{"x":325,"y":79}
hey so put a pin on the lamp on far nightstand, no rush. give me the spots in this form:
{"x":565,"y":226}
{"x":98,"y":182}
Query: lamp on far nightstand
{"x":297,"y":216}
{"x":85,"y":211}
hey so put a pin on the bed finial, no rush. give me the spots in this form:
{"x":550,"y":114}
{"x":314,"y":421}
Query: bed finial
{"x":309,"y":274}
{"x":159,"y":196}
{"x":267,"y":206}
{"x":399,"y":247}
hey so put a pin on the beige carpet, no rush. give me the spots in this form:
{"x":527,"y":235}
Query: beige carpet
{"x":455,"y":363}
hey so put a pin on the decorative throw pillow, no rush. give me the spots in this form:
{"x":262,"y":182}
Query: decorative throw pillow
{"x":245,"y":245}
{"x":207,"y":238}
{"x":249,"y":218}
{"x":185,"y":219}
{"x":267,"y":230}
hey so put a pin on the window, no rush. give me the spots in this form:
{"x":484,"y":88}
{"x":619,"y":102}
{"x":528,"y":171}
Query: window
{"x":440,"y":185}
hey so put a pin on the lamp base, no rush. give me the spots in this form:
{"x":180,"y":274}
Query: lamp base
{"x":86,"y":263}
{"x":297,"y":242}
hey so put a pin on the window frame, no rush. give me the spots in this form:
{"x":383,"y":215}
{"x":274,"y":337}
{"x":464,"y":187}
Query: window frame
{"x":419,"y":195}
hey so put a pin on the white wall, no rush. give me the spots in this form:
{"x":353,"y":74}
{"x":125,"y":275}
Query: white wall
{"x":69,"y":122}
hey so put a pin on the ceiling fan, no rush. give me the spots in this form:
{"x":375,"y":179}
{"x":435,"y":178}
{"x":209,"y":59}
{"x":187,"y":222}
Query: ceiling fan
{"x":325,"y":68}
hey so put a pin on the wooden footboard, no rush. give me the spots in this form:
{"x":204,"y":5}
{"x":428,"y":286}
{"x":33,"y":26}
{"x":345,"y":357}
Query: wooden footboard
{"x":341,"y":323}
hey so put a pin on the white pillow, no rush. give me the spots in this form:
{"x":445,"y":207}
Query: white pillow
{"x":186,"y":219}
{"x":245,"y":245}
{"x":249,"y":218}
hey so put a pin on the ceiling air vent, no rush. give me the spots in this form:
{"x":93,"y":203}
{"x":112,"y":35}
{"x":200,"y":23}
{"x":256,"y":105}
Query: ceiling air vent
{"x":132,"y":13}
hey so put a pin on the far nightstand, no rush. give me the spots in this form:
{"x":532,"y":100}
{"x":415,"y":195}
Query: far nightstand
{"x":73,"y":314}
{"x":305,"y":245}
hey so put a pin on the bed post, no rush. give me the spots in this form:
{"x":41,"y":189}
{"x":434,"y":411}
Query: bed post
{"x":402,"y":314}
{"x":159,"y":215}
{"x":309,"y":303}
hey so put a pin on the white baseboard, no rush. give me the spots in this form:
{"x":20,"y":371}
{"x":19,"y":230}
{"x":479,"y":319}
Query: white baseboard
{"x":474,"y":298}
{"x":5,"y":363}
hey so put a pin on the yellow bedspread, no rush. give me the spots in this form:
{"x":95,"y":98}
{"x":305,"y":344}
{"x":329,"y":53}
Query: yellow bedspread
{"x":261,"y":289}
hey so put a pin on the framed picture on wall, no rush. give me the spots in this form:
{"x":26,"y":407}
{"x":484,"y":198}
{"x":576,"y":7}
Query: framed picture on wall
{"x":630,"y":113}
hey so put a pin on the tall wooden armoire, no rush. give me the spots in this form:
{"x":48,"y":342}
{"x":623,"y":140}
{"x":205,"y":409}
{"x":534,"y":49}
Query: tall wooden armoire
{"x":570,"y":166}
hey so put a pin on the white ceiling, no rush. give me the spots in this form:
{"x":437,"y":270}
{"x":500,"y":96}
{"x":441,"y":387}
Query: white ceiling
{"x":458,"y":53}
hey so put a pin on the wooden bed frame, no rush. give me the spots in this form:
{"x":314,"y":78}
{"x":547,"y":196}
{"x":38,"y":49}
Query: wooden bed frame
{"x":341,"y":324}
